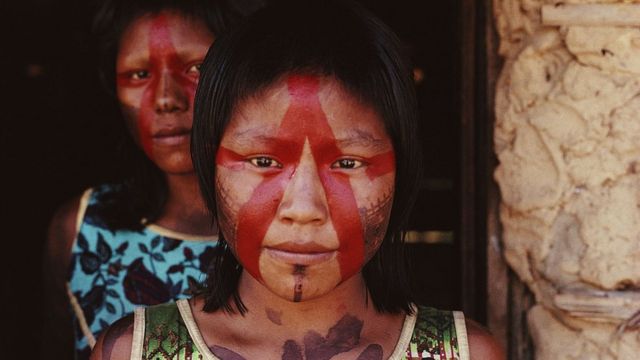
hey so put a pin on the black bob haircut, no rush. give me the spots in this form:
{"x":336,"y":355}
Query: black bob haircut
{"x":330,"y":38}
{"x":143,"y":194}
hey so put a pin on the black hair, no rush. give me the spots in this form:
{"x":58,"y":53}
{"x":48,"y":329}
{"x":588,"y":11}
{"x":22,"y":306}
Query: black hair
{"x":327,"y":38}
{"x":143,"y":194}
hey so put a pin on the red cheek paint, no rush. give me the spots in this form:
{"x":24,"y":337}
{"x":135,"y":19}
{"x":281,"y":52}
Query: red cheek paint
{"x":163,"y":62}
{"x":305,"y":119}
{"x":381,"y":164}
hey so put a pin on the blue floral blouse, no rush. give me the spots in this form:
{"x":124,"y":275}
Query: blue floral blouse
{"x":113,"y":272}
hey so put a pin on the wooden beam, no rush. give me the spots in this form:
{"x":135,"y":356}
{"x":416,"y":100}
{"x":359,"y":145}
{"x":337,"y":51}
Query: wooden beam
{"x":591,"y":15}
{"x":617,"y":306}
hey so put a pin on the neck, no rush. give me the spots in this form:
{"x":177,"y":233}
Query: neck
{"x":184,"y":210}
{"x":349,"y":298}
{"x":341,"y":323}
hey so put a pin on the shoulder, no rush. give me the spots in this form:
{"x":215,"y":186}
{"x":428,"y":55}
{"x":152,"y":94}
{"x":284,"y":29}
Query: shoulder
{"x":115,"y":342}
{"x":482,"y":345}
{"x":61,"y":234}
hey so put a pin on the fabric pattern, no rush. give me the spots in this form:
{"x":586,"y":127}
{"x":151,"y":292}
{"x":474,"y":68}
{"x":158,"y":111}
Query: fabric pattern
{"x":166,"y":336}
{"x":434,"y":336}
{"x":113,"y":272}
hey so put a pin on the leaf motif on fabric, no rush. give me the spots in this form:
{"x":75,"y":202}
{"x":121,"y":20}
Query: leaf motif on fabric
{"x":169,"y":244}
{"x":188,"y":253}
{"x":155,"y":242}
{"x":82,"y":242}
{"x":176,"y":268}
{"x":158,"y":257}
{"x":89,"y":262}
{"x":103,"y":249}
{"x":122,"y":248}
{"x":205,"y":259}
{"x":91,"y":302}
{"x":142,"y":287}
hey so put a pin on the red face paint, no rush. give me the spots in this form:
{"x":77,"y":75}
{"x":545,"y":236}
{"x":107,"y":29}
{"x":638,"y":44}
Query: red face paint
{"x":166,"y":77}
{"x":304,"y":119}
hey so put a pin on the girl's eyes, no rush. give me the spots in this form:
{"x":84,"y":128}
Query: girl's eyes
{"x":264,"y":162}
{"x":267,"y":162}
{"x":194,"y":69}
{"x":347,"y":164}
{"x":139,"y":75}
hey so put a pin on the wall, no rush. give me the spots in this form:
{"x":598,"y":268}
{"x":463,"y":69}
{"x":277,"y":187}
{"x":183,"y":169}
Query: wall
{"x":567,"y":137}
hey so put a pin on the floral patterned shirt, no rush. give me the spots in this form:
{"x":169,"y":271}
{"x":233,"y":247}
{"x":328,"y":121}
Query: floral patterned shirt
{"x":114,"y":271}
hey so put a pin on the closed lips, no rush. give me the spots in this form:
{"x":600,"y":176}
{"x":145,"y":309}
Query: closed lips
{"x":300,"y":254}
{"x":172,"y":136}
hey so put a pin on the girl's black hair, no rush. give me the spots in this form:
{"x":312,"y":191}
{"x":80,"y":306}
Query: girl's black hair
{"x":143,"y":194}
{"x":327,"y":38}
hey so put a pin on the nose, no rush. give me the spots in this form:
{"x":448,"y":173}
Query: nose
{"x":170,"y":96}
{"x":304,"y":200}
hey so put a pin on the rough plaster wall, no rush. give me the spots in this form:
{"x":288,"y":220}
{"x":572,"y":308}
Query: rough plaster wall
{"x":567,"y":136}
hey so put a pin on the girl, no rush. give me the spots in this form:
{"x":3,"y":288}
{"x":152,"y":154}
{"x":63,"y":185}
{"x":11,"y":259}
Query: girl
{"x":305,"y":147}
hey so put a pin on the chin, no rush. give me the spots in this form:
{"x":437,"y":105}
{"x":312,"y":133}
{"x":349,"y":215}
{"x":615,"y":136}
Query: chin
{"x":175,"y":165}
{"x":292,"y":283}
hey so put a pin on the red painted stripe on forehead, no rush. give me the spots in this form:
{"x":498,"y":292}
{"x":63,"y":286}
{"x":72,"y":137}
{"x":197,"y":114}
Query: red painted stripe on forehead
{"x":164,"y":65}
{"x":343,"y":208}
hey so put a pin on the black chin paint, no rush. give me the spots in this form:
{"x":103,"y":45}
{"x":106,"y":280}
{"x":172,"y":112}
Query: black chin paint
{"x":298,"y":273}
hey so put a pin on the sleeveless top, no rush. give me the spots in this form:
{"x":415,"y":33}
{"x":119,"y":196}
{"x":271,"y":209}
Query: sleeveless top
{"x":114,"y":271}
{"x":169,"y":331}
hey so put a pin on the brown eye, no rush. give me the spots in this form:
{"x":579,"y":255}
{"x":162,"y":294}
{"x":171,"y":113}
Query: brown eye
{"x":265,"y":162}
{"x":194,"y":69}
{"x":139,"y":74}
{"x":347,"y":164}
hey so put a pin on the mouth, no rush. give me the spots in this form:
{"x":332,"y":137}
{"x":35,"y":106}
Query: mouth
{"x":172,"y":136}
{"x":300,"y":254}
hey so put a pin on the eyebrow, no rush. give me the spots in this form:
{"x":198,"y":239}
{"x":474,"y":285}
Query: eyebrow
{"x":357,"y":137}
{"x":354,"y":137}
{"x":253,"y":136}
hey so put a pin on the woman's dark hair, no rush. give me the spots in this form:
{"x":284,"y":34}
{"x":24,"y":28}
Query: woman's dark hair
{"x":143,"y":194}
{"x":326,"y":38}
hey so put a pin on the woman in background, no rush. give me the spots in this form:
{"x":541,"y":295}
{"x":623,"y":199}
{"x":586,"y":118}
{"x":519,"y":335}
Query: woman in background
{"x":147,"y":239}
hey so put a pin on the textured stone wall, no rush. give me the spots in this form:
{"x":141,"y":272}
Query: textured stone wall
{"x":567,"y":137}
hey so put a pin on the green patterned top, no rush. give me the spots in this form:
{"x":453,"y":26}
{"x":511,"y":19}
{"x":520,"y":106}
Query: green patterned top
{"x":170,"y":333}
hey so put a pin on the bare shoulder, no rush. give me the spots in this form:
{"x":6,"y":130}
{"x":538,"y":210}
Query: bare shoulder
{"x":482,"y":345}
{"x":61,"y":234}
{"x":115,"y":342}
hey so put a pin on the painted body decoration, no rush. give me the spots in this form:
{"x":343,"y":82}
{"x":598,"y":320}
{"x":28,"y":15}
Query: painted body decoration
{"x":343,"y":337}
{"x":306,"y":124}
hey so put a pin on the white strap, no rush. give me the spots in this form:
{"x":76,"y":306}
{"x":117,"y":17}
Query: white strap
{"x":461,"y":334}
{"x":138,"y":333}
{"x":192,"y":327}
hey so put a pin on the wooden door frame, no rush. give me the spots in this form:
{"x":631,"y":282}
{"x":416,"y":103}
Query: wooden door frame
{"x":507,"y":298}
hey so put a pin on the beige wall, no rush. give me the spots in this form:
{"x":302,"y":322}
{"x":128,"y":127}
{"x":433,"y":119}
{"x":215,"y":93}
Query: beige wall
{"x":567,"y":136}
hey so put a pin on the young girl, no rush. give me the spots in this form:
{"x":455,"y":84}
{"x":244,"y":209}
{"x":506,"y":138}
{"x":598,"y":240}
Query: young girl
{"x":305,"y":147}
{"x":149,"y":238}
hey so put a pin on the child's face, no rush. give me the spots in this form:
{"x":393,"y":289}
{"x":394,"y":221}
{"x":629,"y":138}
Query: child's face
{"x":157,"y":70}
{"x":305,"y":181}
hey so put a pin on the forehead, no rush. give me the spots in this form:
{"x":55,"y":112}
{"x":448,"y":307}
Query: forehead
{"x":184,"y":33}
{"x":345,"y":113}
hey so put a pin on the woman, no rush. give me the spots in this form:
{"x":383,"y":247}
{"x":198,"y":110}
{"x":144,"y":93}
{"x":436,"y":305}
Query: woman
{"x":309,"y":113}
{"x":147,"y":239}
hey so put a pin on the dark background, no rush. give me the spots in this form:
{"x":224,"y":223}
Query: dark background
{"x":60,"y":130}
